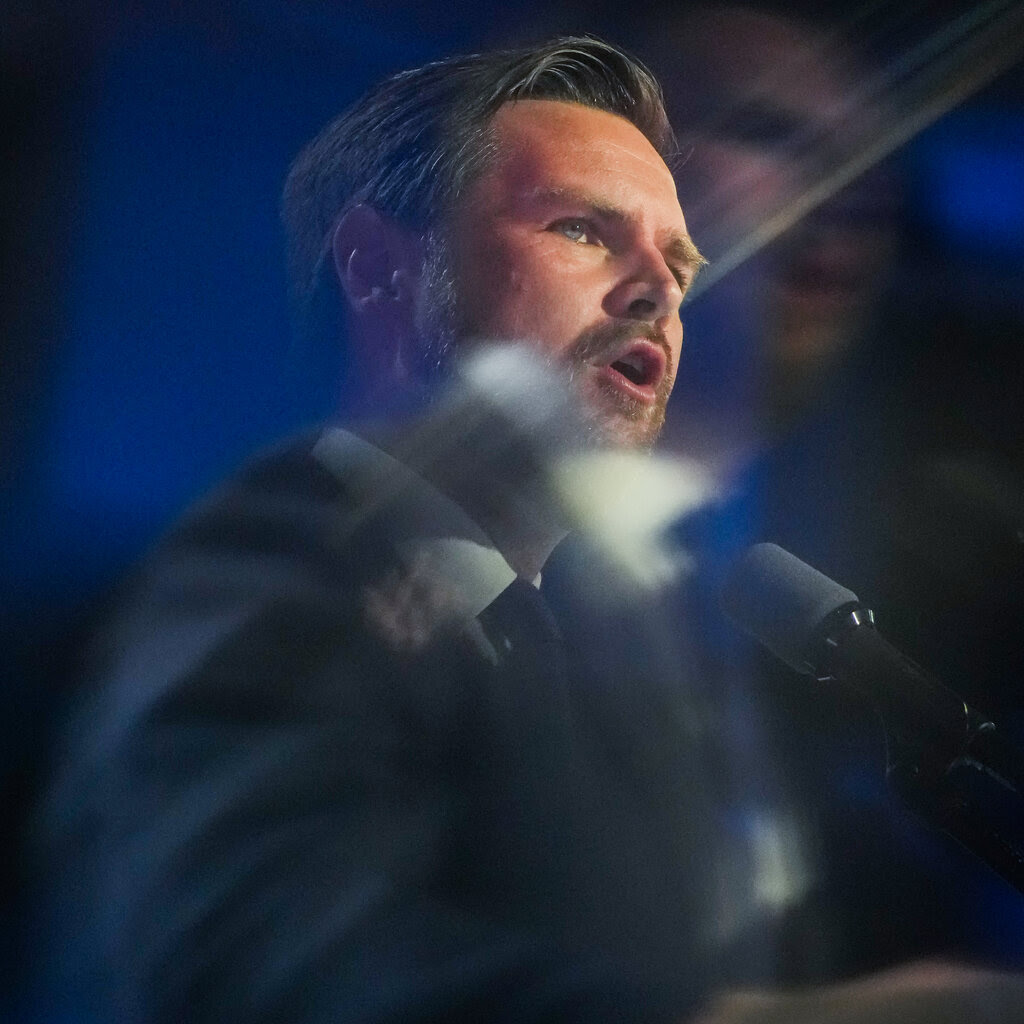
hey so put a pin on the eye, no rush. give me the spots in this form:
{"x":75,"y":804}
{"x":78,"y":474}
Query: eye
{"x":576,"y":230}
{"x":763,"y":126}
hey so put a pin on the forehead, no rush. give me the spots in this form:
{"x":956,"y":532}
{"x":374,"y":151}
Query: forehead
{"x":549,"y":143}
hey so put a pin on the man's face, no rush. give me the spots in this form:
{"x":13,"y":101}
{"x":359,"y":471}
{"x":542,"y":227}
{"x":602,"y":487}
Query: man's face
{"x":572,"y":240}
{"x":774,"y":110}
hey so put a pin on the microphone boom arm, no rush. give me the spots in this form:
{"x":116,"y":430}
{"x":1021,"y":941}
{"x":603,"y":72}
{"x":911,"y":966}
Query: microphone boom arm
{"x":947,"y":760}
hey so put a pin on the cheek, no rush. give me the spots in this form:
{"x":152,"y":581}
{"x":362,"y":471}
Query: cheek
{"x":485,"y":281}
{"x":530,"y":294}
{"x":552,"y":306}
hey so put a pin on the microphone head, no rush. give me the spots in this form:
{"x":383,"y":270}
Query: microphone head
{"x":782,"y":602}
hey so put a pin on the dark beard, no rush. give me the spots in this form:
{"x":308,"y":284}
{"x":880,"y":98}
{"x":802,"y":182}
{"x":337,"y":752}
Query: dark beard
{"x":644,"y":422}
{"x":439,"y":318}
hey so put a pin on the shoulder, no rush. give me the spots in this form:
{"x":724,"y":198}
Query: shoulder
{"x":274,"y":594}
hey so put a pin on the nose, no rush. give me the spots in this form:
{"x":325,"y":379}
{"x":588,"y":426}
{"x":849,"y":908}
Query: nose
{"x":648,"y":289}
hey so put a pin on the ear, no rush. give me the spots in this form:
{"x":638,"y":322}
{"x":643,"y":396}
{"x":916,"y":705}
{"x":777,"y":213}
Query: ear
{"x":378,"y":264}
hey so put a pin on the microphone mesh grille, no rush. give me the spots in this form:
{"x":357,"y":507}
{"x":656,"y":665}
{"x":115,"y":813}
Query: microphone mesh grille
{"x":781,"y":601}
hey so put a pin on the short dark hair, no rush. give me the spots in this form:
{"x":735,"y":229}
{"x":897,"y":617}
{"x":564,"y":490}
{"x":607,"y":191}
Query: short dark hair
{"x":411,"y":145}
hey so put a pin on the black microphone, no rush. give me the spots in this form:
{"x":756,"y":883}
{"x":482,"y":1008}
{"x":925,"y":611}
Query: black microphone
{"x":946,"y":758}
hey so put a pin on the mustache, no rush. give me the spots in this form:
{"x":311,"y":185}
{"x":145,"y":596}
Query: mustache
{"x":601,"y":341}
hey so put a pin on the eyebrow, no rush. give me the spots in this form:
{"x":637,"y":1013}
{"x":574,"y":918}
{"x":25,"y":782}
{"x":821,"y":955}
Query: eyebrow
{"x":681,"y":248}
{"x":684,"y":249}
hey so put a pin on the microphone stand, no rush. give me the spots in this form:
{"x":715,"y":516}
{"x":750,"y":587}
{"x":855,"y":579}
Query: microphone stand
{"x":947,"y":760}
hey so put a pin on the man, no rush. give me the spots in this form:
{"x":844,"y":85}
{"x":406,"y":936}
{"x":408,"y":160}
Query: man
{"x":338,"y":759}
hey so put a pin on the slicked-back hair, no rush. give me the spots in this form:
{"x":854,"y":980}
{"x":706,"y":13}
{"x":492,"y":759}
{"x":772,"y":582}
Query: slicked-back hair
{"x":413,"y":144}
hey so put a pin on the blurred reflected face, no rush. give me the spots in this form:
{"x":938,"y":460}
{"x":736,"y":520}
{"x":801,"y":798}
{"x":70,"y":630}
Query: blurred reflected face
{"x":573,"y":240}
{"x":773,"y":114}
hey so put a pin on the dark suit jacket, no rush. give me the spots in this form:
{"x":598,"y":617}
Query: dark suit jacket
{"x":277,"y":802}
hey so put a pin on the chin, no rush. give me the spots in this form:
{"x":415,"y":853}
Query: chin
{"x":615,"y":421}
{"x":614,"y":430}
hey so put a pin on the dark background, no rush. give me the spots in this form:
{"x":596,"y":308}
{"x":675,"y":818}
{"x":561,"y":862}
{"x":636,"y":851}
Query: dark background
{"x":146,"y":338}
{"x":146,"y":341}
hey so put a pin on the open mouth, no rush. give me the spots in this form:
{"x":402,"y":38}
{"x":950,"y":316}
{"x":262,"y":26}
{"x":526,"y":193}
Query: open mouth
{"x":638,"y":370}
